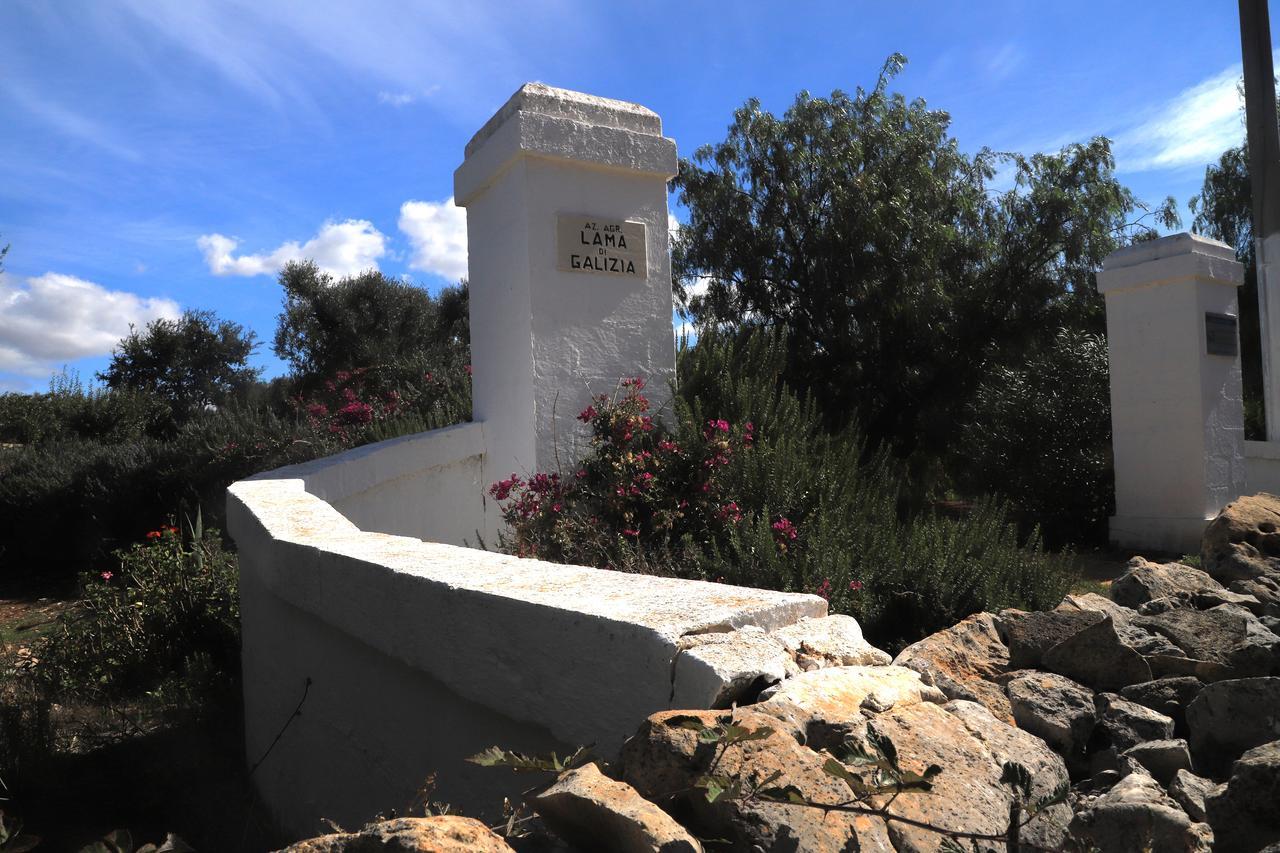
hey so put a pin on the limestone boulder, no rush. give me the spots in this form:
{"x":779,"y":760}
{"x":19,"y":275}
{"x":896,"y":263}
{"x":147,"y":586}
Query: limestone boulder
{"x":829,"y":641}
{"x":823,"y":706}
{"x":1245,"y":812}
{"x":1136,"y":814}
{"x":1144,"y":581}
{"x":1006,"y":743}
{"x":1097,"y":656}
{"x":1161,"y":758}
{"x":1029,"y":635}
{"x":1123,"y":724}
{"x":1055,"y":709}
{"x":1209,"y":598}
{"x":1099,"y":603}
{"x":1216,"y":644}
{"x":1244,"y":540}
{"x":970,"y":745}
{"x":1169,"y":696}
{"x":1190,"y":790}
{"x":664,"y":760}
{"x":718,"y":670}
{"x":440,"y":834}
{"x":1229,"y":717}
{"x":963,"y":662}
{"x":593,"y":812}
{"x":1265,"y":588}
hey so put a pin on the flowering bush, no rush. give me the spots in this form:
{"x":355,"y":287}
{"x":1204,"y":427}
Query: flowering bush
{"x":167,"y":610}
{"x":639,"y":484}
{"x":348,"y":406}
{"x":747,"y":486}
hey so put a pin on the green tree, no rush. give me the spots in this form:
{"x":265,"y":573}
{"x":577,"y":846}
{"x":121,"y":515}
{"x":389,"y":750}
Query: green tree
{"x":365,"y":321}
{"x":1223,"y":210}
{"x":192,"y":362}
{"x":902,"y":277}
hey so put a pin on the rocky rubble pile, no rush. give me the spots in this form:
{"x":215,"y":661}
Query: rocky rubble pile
{"x":1158,"y":707}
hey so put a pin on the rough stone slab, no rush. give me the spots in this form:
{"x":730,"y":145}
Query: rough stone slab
{"x":1244,"y":540}
{"x":1137,"y":815}
{"x":718,"y":670}
{"x":1097,"y":657}
{"x":1168,"y":696}
{"x":439,"y":834}
{"x":1245,"y":812}
{"x":664,"y":760}
{"x":821,"y":706}
{"x":1030,"y":635}
{"x":829,"y":641}
{"x":1163,"y":759}
{"x":1144,"y":581}
{"x":1123,"y":724}
{"x":593,"y":812}
{"x":1190,"y":791}
{"x":963,"y":662}
{"x":1055,"y":709}
{"x":1229,"y":717}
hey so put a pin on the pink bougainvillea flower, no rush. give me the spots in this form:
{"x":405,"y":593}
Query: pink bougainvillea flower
{"x":627,"y":531}
{"x":588,"y":414}
{"x":106,"y":576}
{"x":855,"y":586}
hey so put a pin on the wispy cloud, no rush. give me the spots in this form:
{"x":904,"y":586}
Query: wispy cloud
{"x":1001,"y":64}
{"x":401,"y":99}
{"x":1189,"y":130}
{"x":69,"y":123}
{"x":55,"y":318}
{"x":339,"y":248}
{"x":437,"y":231}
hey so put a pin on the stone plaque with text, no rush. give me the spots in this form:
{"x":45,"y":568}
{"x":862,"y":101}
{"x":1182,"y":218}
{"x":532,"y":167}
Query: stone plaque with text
{"x":1220,"y":334}
{"x":605,"y":246}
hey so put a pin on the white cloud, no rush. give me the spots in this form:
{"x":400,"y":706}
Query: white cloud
{"x":437,"y":231}
{"x":1190,"y":130}
{"x":396,"y":99}
{"x":55,"y":318}
{"x":340,"y":248}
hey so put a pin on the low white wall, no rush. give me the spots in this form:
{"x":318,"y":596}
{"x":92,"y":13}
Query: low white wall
{"x":428,"y":485}
{"x":421,"y":653}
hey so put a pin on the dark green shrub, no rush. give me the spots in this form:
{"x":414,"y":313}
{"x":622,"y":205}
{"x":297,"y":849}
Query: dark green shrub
{"x":167,"y":612}
{"x":744,"y":485}
{"x":1040,"y":434}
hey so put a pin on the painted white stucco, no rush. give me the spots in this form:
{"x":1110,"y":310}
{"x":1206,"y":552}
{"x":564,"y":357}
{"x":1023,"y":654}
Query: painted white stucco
{"x":1176,"y":411}
{"x":418,"y":652}
{"x":545,"y":340}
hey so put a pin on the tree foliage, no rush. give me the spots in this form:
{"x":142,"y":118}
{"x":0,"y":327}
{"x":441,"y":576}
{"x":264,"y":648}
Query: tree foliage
{"x":901,"y":274}
{"x":192,"y":362}
{"x":366,"y":321}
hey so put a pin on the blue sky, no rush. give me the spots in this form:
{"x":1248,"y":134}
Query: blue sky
{"x":158,"y":156}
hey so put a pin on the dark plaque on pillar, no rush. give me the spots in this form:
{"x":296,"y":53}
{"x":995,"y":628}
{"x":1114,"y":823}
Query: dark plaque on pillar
{"x":1220,"y":335}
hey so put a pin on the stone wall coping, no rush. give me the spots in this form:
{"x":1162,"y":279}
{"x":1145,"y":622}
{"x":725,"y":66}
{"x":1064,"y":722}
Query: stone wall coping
{"x":1168,"y":260}
{"x":334,"y":478}
{"x":562,"y":125}
{"x":565,"y":103}
{"x":584,"y":652}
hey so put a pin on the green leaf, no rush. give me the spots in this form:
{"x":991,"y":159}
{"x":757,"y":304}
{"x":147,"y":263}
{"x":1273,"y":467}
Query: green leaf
{"x":883,"y":745}
{"x":1017,"y":777}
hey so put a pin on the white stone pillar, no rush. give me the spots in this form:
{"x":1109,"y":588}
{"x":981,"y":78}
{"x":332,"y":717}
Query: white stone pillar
{"x":1176,"y":402}
{"x":569,"y":268}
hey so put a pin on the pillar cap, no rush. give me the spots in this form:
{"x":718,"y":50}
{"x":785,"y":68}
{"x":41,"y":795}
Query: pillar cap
{"x":1166,"y":260}
{"x":565,"y":103}
{"x":557,"y":124}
